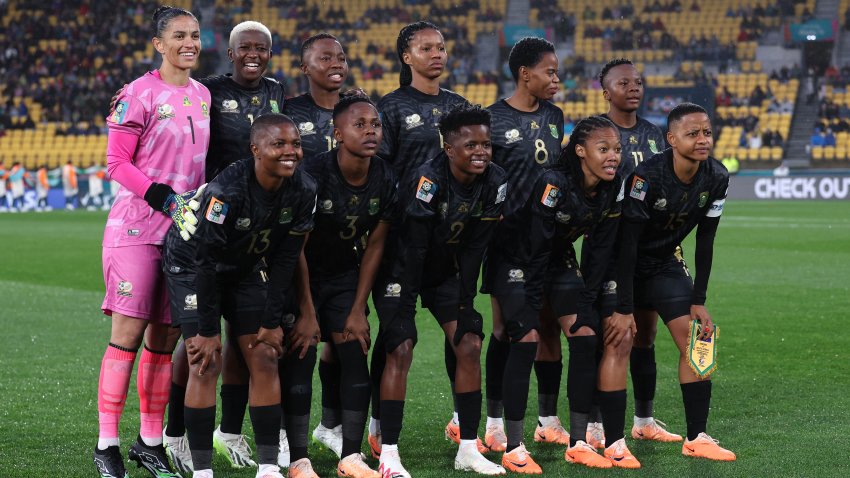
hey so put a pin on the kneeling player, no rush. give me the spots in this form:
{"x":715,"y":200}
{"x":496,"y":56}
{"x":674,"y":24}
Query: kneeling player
{"x":669,"y":195}
{"x":256,"y":212}
{"x":449,"y":207}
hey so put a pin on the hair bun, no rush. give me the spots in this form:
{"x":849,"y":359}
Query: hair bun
{"x":160,"y":11}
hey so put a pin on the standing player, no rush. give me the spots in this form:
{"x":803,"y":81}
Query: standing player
{"x":324,"y":63}
{"x":158,"y":138}
{"x":240,"y":264}
{"x":69,"y":183}
{"x":410,"y":116}
{"x":237,"y":99}
{"x":623,"y":90}
{"x":42,"y":188}
{"x":527,"y":134}
{"x":449,"y":208}
{"x":669,"y":195}
{"x":355,"y":202}
{"x":533,"y":260}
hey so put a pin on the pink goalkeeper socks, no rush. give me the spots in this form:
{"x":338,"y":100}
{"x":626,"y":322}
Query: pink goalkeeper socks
{"x":115,"y":370}
{"x":154,"y":383}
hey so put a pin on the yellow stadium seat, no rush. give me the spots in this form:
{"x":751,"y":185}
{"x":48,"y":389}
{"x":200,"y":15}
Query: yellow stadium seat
{"x":817,"y":153}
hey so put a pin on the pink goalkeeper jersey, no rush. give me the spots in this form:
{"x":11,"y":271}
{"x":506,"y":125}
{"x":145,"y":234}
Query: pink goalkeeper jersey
{"x":173,"y":128}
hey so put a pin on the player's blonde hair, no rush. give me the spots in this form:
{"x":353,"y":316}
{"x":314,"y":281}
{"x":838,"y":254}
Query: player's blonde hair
{"x":249,"y":26}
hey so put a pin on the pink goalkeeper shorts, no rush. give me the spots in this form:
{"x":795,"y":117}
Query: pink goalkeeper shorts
{"x":135,"y":284}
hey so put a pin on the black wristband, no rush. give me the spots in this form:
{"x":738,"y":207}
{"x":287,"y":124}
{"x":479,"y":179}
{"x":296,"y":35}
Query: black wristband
{"x":157,"y":194}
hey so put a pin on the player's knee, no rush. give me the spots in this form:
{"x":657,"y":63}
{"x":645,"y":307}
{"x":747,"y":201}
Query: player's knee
{"x":469,"y":349}
{"x":263,"y":360}
{"x":401,"y":356}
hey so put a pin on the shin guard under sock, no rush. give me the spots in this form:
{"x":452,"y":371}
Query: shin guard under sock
{"x":176,"y":426}
{"x":329,"y":376}
{"x":644,"y":374}
{"x":497,"y":357}
{"x":376,"y":371}
{"x":697,"y":399}
{"x":200,"y":423}
{"x":469,"y":414}
{"x":581,"y":383}
{"x":548,"y":385}
{"x":515,"y":387}
{"x":115,"y":370}
{"x":234,"y":399}
{"x":297,"y":390}
{"x":265,"y":422}
{"x":613,"y":408}
{"x":153,"y":383}
{"x":354,"y":399}
{"x":392,"y":415}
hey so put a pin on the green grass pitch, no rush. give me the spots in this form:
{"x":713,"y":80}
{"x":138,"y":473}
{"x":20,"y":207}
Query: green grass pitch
{"x":779,"y":291}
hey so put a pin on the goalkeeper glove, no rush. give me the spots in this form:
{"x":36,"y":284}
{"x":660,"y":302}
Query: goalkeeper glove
{"x":179,"y":207}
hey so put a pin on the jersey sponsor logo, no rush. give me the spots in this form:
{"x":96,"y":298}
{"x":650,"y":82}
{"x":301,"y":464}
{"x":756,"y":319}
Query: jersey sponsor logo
{"x":716,"y":208}
{"x":652,"y":146}
{"x":217,"y":211}
{"x":393,"y":290}
{"x":190,"y":302}
{"x":512,"y":136}
{"x":229,"y":106}
{"x":243,"y":223}
{"x":186,"y":101}
{"x":120,"y":112}
{"x":426,"y":189}
{"x":562,"y":218}
{"x":553,"y":129}
{"x":639,"y":188}
{"x":463,"y":208}
{"x":255,"y":101}
{"x":274,"y":105}
{"x":133,"y":232}
{"x":326,"y":206}
{"x":703,"y":199}
{"x":205,"y":109}
{"x":550,"y":196}
{"x":306,"y":128}
{"x":534,"y":125}
{"x":516,"y":275}
{"x":285,"y":216}
{"x":660,"y":204}
{"x":374,"y":206}
{"x":413,"y":121}
{"x":125,"y":288}
{"x":164,"y":112}
{"x":502,"y":193}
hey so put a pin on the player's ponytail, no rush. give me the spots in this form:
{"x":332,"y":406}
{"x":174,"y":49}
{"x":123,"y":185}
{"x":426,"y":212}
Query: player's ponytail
{"x":569,"y":159}
{"x":163,"y":15}
{"x":405,"y":76}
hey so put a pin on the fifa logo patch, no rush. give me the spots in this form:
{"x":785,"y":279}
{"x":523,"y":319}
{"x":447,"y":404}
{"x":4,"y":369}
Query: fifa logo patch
{"x":516,"y":275}
{"x":393,"y":290}
{"x":164,"y":112}
{"x":191,"y":302}
{"x":512,"y":136}
{"x":550,"y":196}
{"x":426,"y":189}
{"x":125,"y":288}
{"x":501,"y":193}
{"x":639,"y":188}
{"x":413,"y":121}
{"x":120,"y":112}
{"x":217,"y":211}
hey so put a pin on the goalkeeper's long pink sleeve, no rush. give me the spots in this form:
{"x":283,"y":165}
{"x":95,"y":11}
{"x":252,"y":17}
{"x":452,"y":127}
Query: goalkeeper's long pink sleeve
{"x":119,"y":162}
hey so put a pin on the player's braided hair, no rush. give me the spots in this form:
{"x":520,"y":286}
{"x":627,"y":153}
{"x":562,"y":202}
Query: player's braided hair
{"x":163,"y":15}
{"x":683,"y":109}
{"x":612,"y":64}
{"x":349,"y":98}
{"x":268,"y":119}
{"x":405,"y":76}
{"x":313,"y":39}
{"x":569,"y":159}
{"x":463,"y":115}
{"x":528,"y":52}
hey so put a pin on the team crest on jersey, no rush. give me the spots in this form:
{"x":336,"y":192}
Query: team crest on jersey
{"x":501,"y":193}
{"x":553,"y":129}
{"x":516,"y":275}
{"x":562,"y":218}
{"x":255,"y":101}
{"x":512,"y":136}
{"x":660,"y":204}
{"x":393,"y":290}
{"x":120,"y":112}
{"x":190,"y":302}
{"x":632,"y":140}
{"x":229,"y":106}
{"x":426,"y":189}
{"x":275,"y":107}
{"x":534,"y":125}
{"x":374,"y":206}
{"x":477,"y":209}
{"x":638,"y":188}
{"x":205,"y":109}
{"x":550,"y":196}
{"x":652,"y":146}
{"x":164,"y":111}
{"x":326,"y":206}
{"x":243,"y":223}
{"x":306,"y":128}
{"x":285,"y":216}
{"x":217,"y":211}
{"x":186,"y":101}
{"x":413,"y":121}
{"x":125,"y":288}
{"x":703,"y":199}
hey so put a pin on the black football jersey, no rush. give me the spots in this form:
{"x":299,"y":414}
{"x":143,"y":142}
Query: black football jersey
{"x":234,"y":109}
{"x":639,"y":143}
{"x":525,"y":142}
{"x":315,"y":124}
{"x":239,"y":224}
{"x":410,"y":119}
{"x":345,"y":213}
{"x":669,"y":208}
